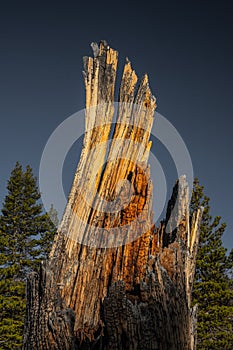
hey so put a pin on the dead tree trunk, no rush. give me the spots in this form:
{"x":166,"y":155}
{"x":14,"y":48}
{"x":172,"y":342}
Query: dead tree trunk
{"x":128,"y":286}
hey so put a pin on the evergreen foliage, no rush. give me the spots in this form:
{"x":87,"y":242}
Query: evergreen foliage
{"x":212,"y":287}
{"x":25,"y":238}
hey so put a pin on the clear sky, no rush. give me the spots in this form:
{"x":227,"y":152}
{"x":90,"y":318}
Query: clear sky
{"x":185,"y":47}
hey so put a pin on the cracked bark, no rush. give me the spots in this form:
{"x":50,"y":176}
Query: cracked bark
{"x":131,"y":296}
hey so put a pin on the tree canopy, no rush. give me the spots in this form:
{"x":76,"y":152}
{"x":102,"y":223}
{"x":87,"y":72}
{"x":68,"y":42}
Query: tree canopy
{"x":213,"y":283}
{"x":26,"y":234}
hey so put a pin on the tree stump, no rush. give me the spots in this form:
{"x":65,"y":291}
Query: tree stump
{"x":113,"y":280}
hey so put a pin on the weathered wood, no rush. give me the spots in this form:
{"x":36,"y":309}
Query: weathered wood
{"x":135,"y":295}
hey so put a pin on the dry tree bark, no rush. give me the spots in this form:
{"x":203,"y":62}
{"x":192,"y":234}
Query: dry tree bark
{"x":103,"y":294}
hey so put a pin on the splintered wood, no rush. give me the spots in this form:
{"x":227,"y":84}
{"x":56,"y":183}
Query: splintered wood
{"x":113,"y":280}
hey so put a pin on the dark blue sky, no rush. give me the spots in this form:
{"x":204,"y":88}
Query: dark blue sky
{"x":186,"y":48}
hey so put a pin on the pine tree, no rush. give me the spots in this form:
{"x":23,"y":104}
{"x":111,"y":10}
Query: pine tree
{"x":23,"y":229}
{"x":212,"y":288}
